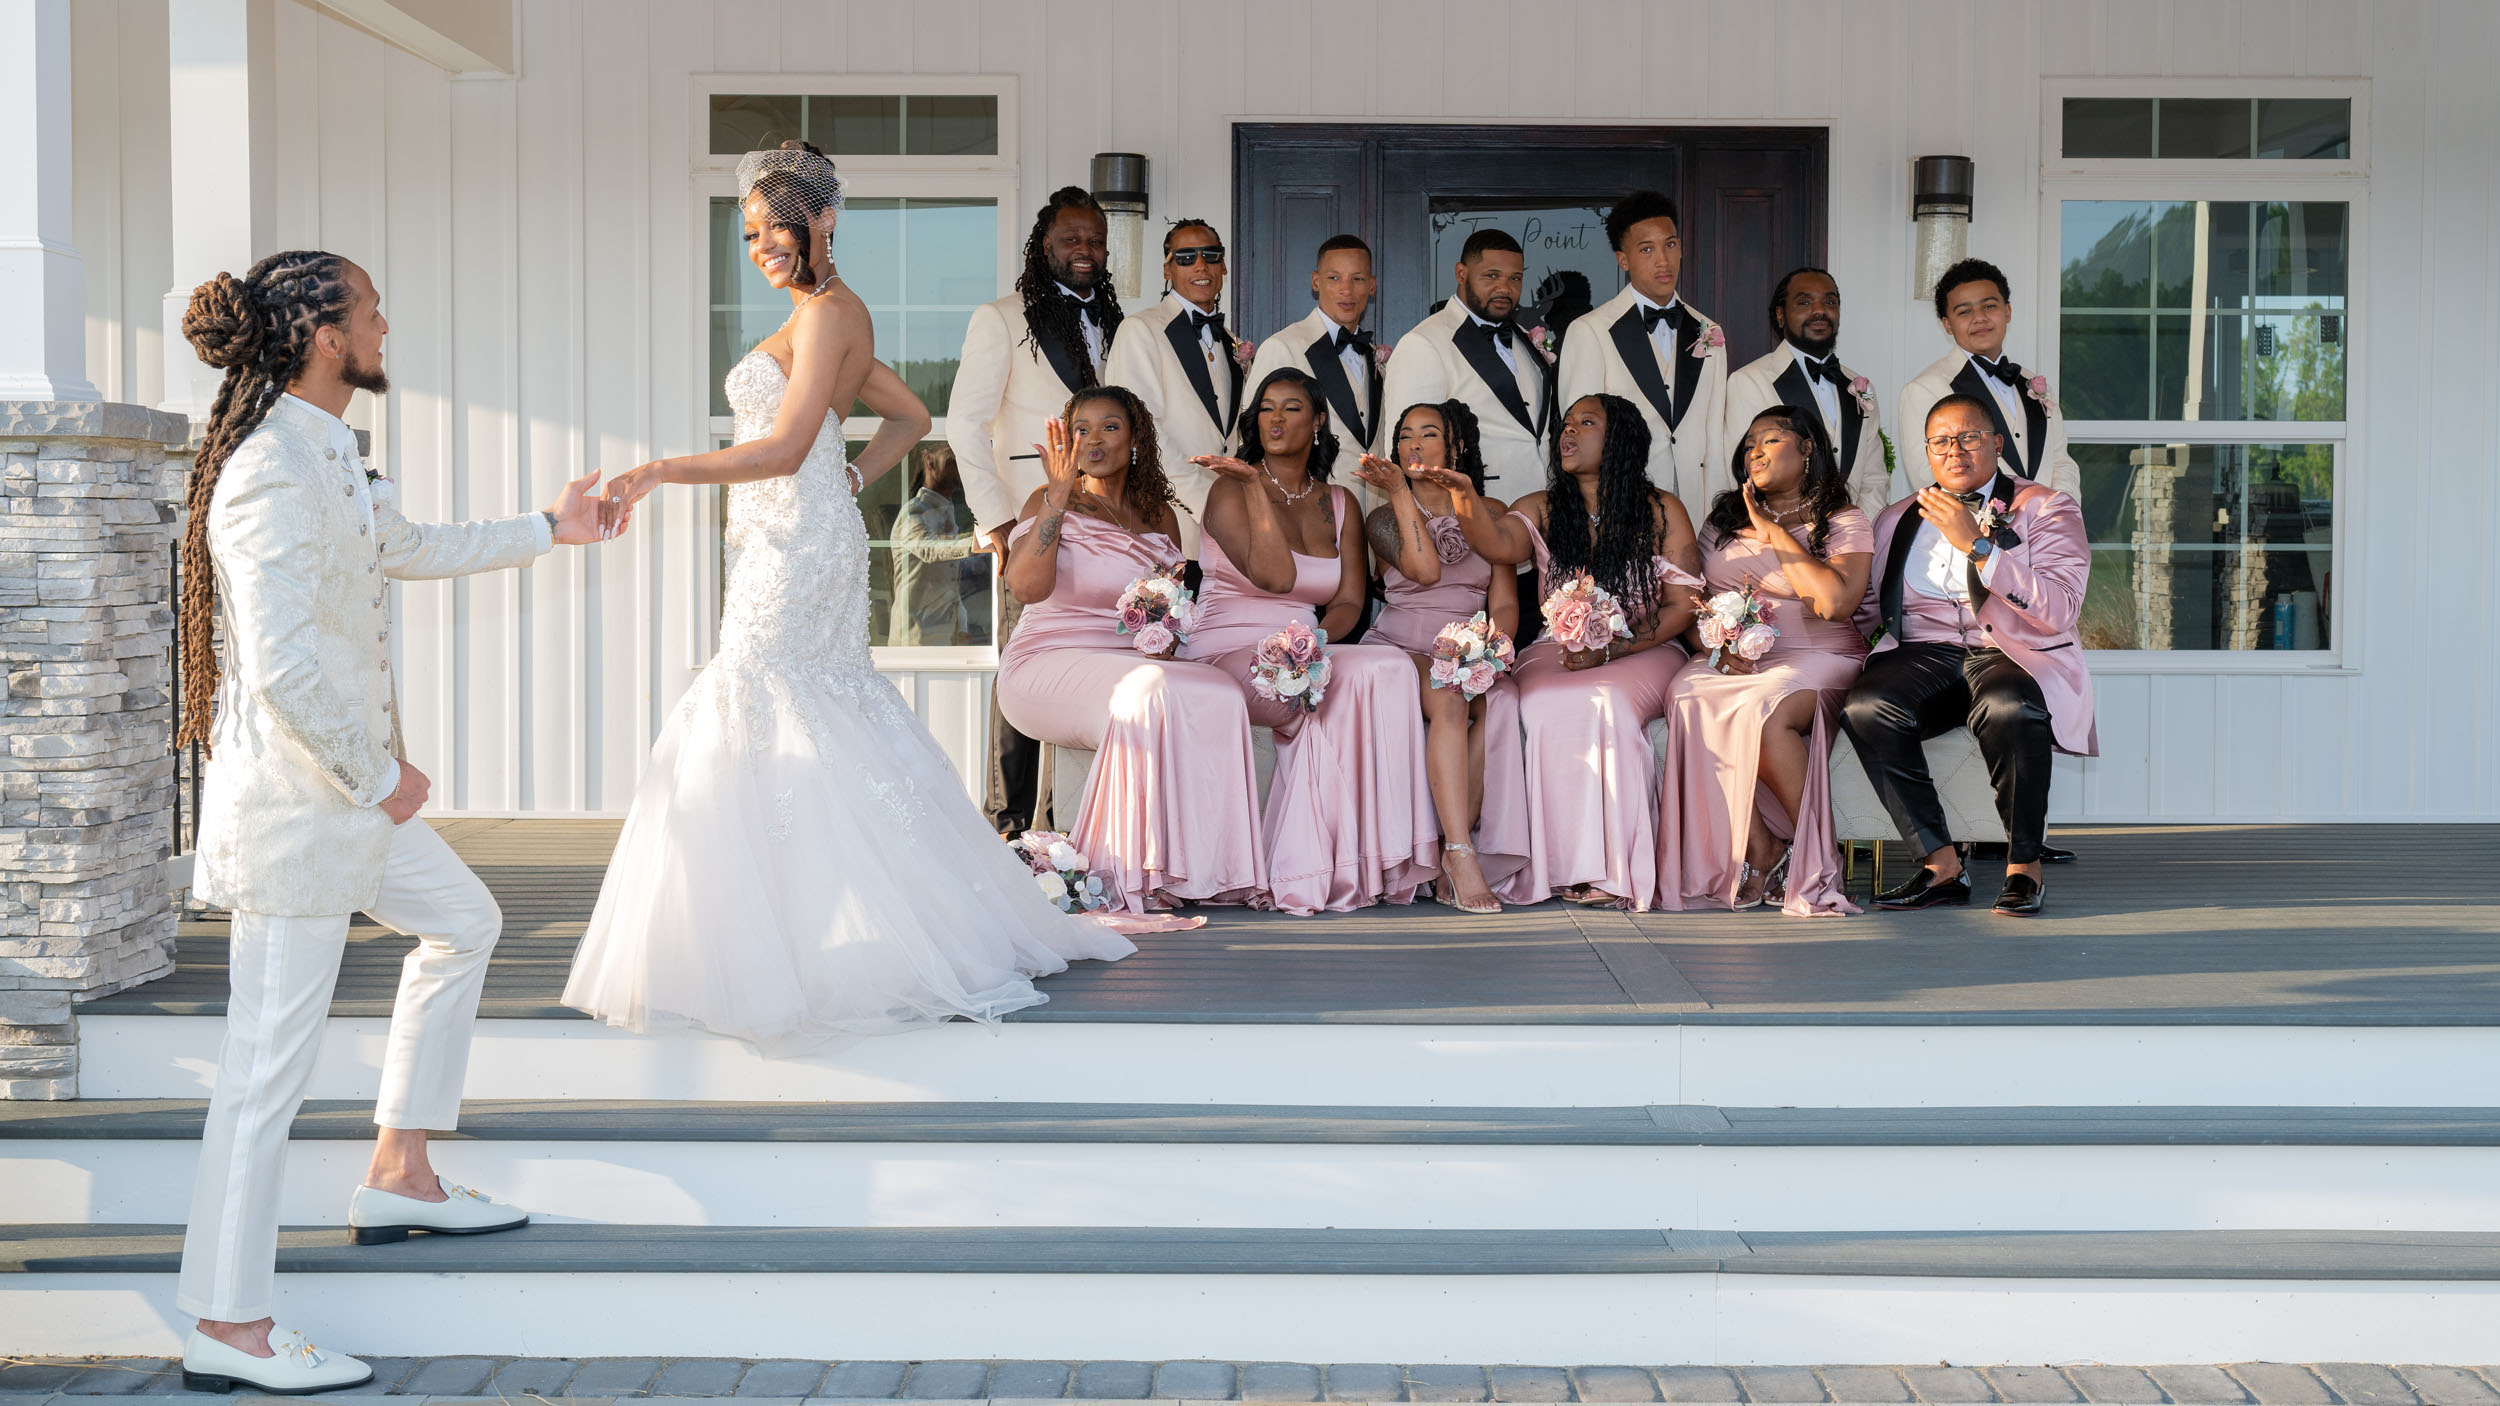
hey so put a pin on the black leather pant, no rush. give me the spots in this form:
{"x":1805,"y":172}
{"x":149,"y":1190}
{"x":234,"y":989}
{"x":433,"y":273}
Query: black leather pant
{"x":1919,"y":690}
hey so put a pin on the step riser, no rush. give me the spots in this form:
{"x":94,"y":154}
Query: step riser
{"x":1575,"y":1066}
{"x":1715,"y":1318}
{"x":1254,"y":1186}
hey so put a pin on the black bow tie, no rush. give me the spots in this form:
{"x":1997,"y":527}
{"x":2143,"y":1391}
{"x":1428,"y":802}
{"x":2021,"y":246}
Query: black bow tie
{"x":1827,"y":369}
{"x":2004,"y":369}
{"x":1974,"y":497}
{"x":1501,"y":331}
{"x":1672,"y":315}
{"x":1088,"y":309}
{"x":1348,"y":337}
{"x":1201,"y":321}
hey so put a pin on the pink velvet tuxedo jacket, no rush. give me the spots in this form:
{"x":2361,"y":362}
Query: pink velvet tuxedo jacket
{"x":2030,"y":605}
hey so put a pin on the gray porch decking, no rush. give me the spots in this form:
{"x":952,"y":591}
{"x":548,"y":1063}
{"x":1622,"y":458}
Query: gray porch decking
{"x":2316,"y":925}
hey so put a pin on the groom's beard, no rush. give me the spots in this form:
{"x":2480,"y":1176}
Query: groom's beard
{"x":360,"y":376}
{"x":1065,"y":272}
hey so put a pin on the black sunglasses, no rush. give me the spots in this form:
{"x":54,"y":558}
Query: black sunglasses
{"x":1212,"y":253}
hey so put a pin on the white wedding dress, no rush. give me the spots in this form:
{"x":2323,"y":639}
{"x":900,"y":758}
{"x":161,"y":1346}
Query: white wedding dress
{"x":801,"y":861}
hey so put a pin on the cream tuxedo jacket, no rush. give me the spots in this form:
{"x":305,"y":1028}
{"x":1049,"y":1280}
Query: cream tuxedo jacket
{"x":1857,"y":441}
{"x":2034,"y":448}
{"x":1354,"y":412}
{"x":1006,"y":389}
{"x":1608,"y":351}
{"x":1449,"y":356}
{"x":307,"y":735}
{"x":1158,"y":356}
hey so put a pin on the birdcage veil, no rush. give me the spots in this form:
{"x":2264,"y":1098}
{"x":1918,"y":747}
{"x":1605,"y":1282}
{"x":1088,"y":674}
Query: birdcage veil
{"x":797,"y":181}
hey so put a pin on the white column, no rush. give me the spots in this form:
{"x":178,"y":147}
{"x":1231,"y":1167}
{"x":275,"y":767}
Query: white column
{"x":43,"y":290}
{"x":221,"y":80}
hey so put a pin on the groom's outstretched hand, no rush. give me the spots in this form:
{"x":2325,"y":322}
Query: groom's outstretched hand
{"x":582,"y":516}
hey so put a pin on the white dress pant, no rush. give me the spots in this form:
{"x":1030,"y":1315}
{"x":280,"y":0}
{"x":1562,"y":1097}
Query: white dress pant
{"x":282,"y":972}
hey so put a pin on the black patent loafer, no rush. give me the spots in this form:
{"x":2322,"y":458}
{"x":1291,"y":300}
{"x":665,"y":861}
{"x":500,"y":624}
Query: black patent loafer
{"x":2020,"y":898}
{"x":1924,"y":890}
{"x":2049,"y":854}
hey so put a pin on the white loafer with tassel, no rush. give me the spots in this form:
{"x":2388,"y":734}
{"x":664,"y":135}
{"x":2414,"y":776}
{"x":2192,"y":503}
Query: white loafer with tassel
{"x":383,"y":1217}
{"x":297,"y":1369}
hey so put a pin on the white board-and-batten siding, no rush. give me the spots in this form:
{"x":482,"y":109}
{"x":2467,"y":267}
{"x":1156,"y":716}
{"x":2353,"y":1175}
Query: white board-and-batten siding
{"x":537,"y":242}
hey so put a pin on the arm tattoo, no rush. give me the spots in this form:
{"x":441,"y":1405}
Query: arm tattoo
{"x":1049,"y":533}
{"x":1387,"y":541}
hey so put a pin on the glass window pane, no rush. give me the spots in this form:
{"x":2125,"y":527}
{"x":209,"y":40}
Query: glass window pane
{"x":965,"y":125}
{"x":2105,"y":362}
{"x":2210,"y":128}
{"x":2304,"y":129}
{"x":2105,"y":127}
{"x":927,"y":584}
{"x":857,"y":124}
{"x":2108,"y":260}
{"x":923,"y":266}
{"x":2208,"y":546}
{"x":744,"y":122}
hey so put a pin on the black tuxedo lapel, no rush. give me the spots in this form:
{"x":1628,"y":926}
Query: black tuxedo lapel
{"x":1329,"y":370}
{"x":1687,"y":365}
{"x":1904,"y":533}
{"x":1640,"y":357}
{"x":1372,"y":377}
{"x":1053,"y":350}
{"x":2001,"y":491}
{"x":1183,"y":336}
{"x":2036,"y":424}
{"x":1974,"y":383}
{"x":1796,"y":388}
{"x":1475,"y":342}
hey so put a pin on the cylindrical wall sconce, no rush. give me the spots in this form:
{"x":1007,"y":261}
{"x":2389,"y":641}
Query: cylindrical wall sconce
{"x":1120,"y":186}
{"x":1940,"y":205}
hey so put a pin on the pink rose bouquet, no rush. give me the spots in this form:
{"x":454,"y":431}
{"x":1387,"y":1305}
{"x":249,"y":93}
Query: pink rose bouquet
{"x":1738,"y":620}
{"x":1584,"y":617}
{"x":1468,"y":655}
{"x":1061,"y":871}
{"x":1158,"y":610}
{"x":1291,"y":665}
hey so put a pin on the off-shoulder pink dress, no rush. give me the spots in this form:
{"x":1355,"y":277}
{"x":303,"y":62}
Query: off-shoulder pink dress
{"x":1714,"y":740}
{"x":1172,"y":804}
{"x":1592,"y":789}
{"x":1349,"y":813}
{"x":1411,"y":618}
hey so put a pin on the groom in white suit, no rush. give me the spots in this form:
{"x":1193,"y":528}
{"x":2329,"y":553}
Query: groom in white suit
{"x":1657,"y":351}
{"x":307,"y":804}
{"x":1975,"y":306}
{"x":1473,"y":350}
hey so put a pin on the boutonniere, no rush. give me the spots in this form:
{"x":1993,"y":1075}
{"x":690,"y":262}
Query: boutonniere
{"x":2038,"y":386}
{"x":1542,"y":338}
{"x":1996,"y":523}
{"x":372,"y":475}
{"x":1380,"y":355}
{"x":1245,"y":351}
{"x":1710,"y":340}
{"x":1865,"y":393}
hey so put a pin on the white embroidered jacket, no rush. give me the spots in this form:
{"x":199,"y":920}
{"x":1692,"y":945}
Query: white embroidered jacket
{"x":306,"y":740}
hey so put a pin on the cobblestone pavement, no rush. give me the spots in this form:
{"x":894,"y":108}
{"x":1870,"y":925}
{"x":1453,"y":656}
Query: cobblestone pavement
{"x":32,"y":1381}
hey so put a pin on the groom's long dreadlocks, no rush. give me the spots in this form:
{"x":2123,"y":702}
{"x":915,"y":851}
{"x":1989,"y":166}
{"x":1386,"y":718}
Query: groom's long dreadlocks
{"x":1048,"y":312}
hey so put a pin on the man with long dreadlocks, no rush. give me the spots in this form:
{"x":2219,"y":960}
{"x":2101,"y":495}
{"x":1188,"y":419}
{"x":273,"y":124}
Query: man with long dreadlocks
{"x":307,"y":799}
{"x":1024,"y":355}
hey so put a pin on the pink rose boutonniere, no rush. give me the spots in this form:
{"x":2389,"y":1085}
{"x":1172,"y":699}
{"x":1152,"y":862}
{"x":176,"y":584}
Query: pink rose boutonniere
{"x":1380,"y":355}
{"x":1543,"y":339}
{"x":1245,"y":351}
{"x":2039,"y":389}
{"x":1865,"y":393}
{"x":1710,"y":340}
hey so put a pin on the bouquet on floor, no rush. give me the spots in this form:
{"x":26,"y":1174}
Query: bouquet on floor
{"x":1738,"y":620}
{"x":1468,"y":655}
{"x":1159,"y":611}
{"x":1584,"y":617}
{"x":1292,"y":666}
{"x":1060,"y":869}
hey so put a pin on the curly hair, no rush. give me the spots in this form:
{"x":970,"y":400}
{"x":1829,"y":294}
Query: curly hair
{"x":1826,"y":490}
{"x":1148,"y":486}
{"x":1048,"y":313}
{"x":258,"y":329}
{"x":1622,"y":553}
{"x":1458,"y":429}
{"x":1323,"y":435}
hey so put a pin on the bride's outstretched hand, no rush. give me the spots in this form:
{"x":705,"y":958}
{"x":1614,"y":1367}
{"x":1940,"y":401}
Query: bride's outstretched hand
{"x":1380,"y":473}
{"x":631,"y":487}
{"x":581,"y":516}
{"x":1450,"y":479}
{"x":1226,"y":466}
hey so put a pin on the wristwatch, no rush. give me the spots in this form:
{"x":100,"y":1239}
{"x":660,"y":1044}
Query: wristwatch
{"x":1980,"y":551}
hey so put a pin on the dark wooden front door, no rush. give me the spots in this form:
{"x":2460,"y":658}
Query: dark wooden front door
{"x":1753,"y":200}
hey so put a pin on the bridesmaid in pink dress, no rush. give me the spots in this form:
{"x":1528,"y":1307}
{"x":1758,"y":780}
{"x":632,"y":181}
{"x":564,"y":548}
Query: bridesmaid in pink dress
{"x":1171,"y":809}
{"x":1745,"y":807}
{"x":1592,"y":792}
{"x":1349,"y":816}
{"x":1431,"y":577}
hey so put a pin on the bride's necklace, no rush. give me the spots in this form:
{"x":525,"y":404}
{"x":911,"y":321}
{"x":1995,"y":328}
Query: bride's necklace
{"x":1290,"y":498}
{"x":820,"y":290}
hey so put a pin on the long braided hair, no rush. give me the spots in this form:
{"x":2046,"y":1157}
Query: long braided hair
{"x":1050,"y":313}
{"x":259,"y":330}
{"x":1149,"y":488}
{"x":1826,"y":492}
{"x":1622,"y":553}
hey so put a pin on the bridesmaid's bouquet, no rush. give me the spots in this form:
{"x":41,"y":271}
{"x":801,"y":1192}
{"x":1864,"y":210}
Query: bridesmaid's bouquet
{"x":1468,"y":655}
{"x":1158,"y":610}
{"x":1738,"y":620}
{"x":1292,"y":666}
{"x":1584,"y":617}
{"x":1060,"y":869}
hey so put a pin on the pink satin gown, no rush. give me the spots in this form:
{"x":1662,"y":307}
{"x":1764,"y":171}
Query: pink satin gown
{"x":1172,"y":804}
{"x":1591,"y":786}
{"x":1411,"y":618}
{"x":1714,"y":740}
{"x":1349,"y":813}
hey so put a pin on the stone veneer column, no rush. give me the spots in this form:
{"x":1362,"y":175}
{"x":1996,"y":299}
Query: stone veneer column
{"x":87,"y":778}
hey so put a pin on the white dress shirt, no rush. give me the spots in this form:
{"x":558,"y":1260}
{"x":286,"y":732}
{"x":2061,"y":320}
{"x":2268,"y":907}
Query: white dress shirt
{"x":1661,"y":335}
{"x":1500,"y":344}
{"x":1938,"y":572}
{"x":2007,"y":400}
{"x":1358,"y":367}
{"x":1826,"y":394}
{"x":1208,"y":346}
{"x":1091,"y":329}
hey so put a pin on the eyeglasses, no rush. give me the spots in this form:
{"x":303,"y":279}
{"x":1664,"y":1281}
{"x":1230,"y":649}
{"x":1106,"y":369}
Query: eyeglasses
{"x":1212,"y":253}
{"x":1967,"y":439}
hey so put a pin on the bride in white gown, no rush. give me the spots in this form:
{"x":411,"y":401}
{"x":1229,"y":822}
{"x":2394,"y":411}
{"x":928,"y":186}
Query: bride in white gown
{"x":801,"y":861}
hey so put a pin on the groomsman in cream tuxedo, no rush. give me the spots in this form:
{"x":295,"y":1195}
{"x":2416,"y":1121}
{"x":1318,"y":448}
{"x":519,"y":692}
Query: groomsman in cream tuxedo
{"x":1658,"y":352}
{"x":1183,"y":363}
{"x":1332,"y":345}
{"x":1472,"y":350}
{"x":1807,"y":371}
{"x":1975,"y":305}
{"x":1024,"y":355}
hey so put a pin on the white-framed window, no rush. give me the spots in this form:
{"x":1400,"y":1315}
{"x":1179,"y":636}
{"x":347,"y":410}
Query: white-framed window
{"x":930,"y":230}
{"x":2202,"y":256}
